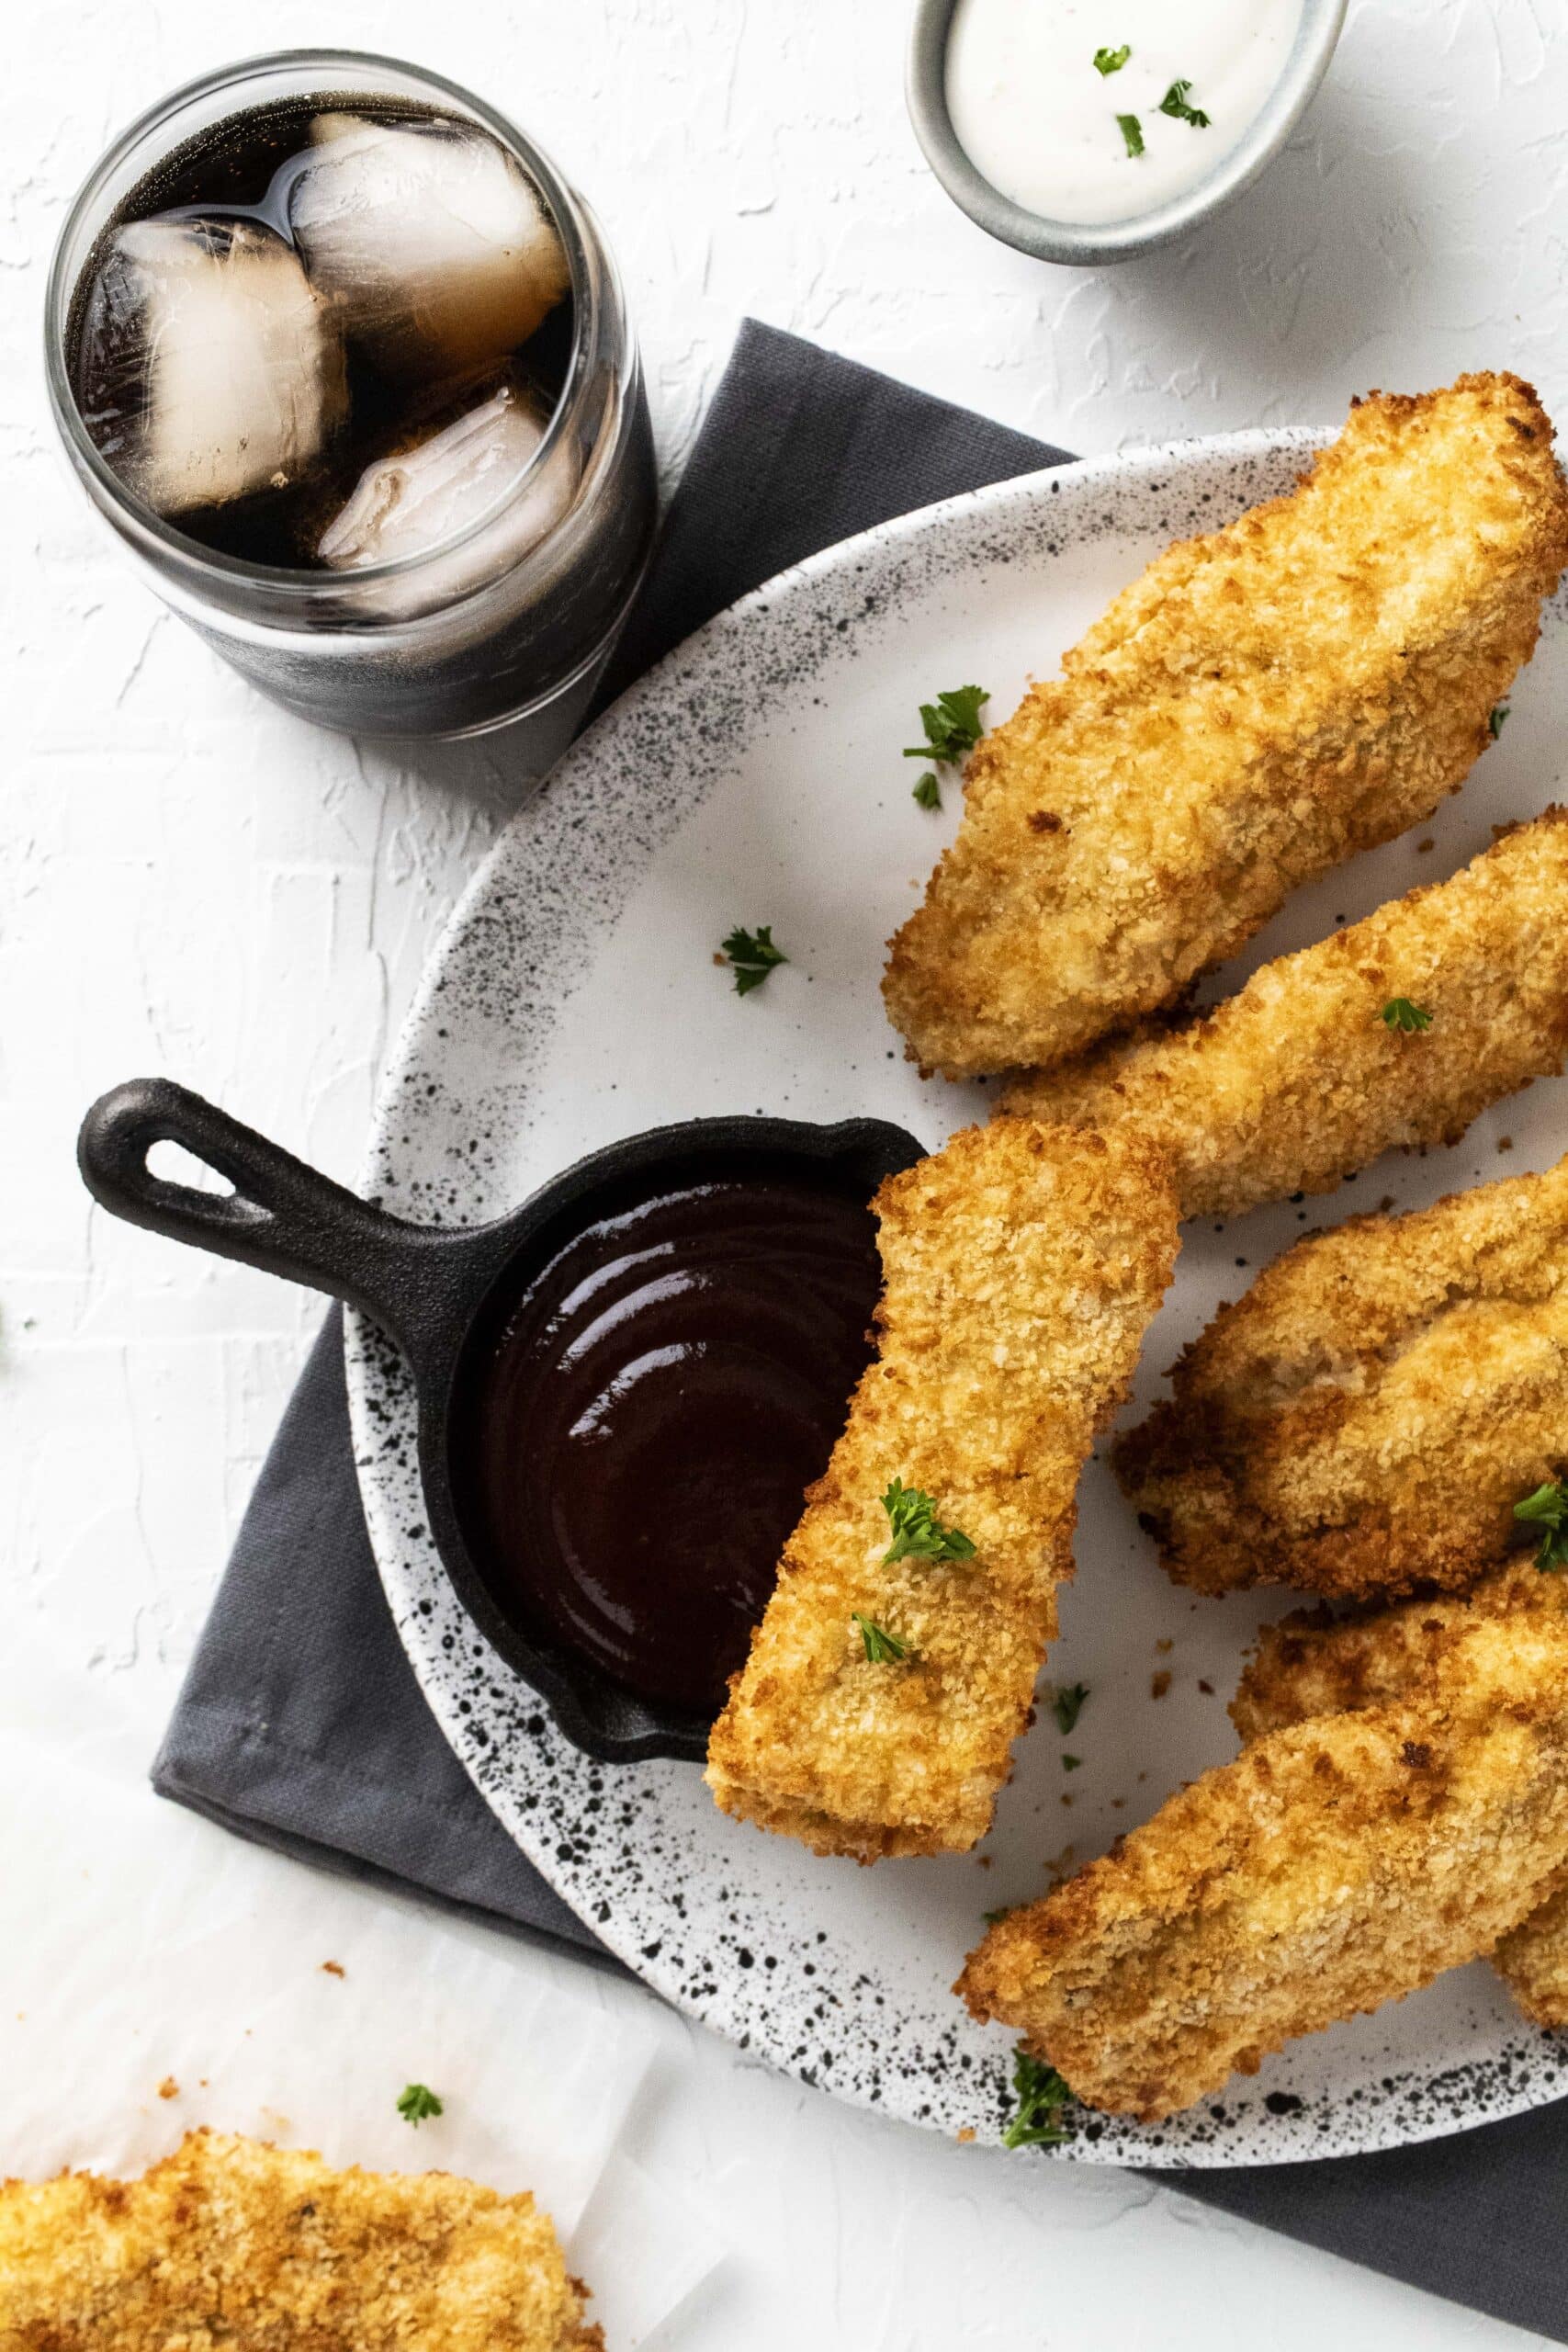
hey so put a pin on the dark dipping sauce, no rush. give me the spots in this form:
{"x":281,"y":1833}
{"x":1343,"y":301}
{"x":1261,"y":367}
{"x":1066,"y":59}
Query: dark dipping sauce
{"x":640,"y":1429}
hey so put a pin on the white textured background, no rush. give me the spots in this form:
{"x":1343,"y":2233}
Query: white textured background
{"x":194,"y":883}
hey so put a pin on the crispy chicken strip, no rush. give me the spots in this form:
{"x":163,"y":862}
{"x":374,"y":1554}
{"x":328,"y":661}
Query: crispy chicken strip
{"x":232,"y":2242}
{"x":1335,"y":1865}
{"x":1364,"y":1421}
{"x":1532,"y":1959}
{"x":1297,"y":1081}
{"x":1315,"y":1664}
{"x":1259,"y":704}
{"x":1020,"y":1267}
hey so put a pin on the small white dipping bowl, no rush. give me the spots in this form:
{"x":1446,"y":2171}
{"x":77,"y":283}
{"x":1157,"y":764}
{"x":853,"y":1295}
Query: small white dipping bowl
{"x":1070,"y":241}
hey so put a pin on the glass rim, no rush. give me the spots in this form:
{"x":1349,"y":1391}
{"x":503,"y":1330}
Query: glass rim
{"x":299,"y":579}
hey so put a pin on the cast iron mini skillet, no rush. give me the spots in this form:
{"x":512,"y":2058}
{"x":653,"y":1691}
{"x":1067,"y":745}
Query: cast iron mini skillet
{"x":437,"y":1291}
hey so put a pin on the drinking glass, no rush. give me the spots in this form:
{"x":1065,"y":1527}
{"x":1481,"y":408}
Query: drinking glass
{"x":479,"y":630}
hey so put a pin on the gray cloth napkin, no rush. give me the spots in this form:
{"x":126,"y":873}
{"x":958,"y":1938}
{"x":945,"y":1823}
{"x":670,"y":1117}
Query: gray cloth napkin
{"x":300,"y":1724}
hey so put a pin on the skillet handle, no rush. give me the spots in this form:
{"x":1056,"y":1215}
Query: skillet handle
{"x":281,"y":1217}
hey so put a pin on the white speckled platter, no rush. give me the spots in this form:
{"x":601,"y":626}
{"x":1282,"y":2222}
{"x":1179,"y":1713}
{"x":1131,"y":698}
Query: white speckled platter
{"x":756,"y":777}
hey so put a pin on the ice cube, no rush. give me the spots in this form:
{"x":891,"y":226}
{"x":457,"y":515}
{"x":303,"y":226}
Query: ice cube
{"x":432,"y":243}
{"x":439,"y":487}
{"x":210,"y":367}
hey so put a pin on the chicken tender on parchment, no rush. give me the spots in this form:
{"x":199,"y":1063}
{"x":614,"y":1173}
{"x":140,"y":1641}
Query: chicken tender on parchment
{"x":1262,"y":702}
{"x":1299,"y":1081}
{"x":1315,"y":1664}
{"x":230,"y":2242}
{"x":1335,"y":1865}
{"x":878,"y":1707}
{"x":1365,"y":1419}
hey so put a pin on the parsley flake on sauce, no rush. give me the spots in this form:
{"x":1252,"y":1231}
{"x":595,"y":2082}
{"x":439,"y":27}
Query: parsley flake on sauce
{"x":918,"y":1533}
{"x":1174,"y":103}
{"x":1498,"y":719}
{"x":927,"y":791}
{"x":882,"y":1649}
{"x":1041,"y":2094}
{"x":1111,"y":61}
{"x":1548,"y":1509}
{"x":1132,"y":133}
{"x":416,"y":2103}
{"x":1399,"y":1013}
{"x":951,"y":724}
{"x":752,"y":956}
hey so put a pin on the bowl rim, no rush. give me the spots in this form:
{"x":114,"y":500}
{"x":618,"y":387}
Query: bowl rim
{"x":1085,"y":244}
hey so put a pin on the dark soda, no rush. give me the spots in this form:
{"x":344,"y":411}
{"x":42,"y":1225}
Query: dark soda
{"x":245,"y":179}
{"x":349,"y":370}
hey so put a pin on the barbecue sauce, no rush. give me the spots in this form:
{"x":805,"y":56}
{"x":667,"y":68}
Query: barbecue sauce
{"x":645,"y":1417}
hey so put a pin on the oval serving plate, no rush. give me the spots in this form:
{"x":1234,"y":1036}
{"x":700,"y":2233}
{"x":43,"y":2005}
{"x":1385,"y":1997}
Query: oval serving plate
{"x":755,"y":777}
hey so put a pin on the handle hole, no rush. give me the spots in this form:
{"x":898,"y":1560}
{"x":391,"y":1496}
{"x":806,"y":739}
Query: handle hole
{"x":173,"y":1164}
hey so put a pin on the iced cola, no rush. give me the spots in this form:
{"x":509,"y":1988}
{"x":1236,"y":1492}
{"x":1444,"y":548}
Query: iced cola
{"x":353,"y":372}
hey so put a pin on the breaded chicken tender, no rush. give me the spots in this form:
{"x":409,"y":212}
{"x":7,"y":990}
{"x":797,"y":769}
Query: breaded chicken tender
{"x":1532,"y":1961}
{"x":1335,"y":1865}
{"x":1365,"y":1419}
{"x":1262,"y":702}
{"x":1315,"y":1664}
{"x":1021,"y":1265}
{"x":229,"y":2242}
{"x":1297,"y":1081}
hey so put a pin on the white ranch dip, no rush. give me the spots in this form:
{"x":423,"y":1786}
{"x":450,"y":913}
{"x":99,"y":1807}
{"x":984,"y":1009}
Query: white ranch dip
{"x":1040,"y":121}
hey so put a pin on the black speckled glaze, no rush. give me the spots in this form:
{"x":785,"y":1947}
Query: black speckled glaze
{"x":839,"y":1977}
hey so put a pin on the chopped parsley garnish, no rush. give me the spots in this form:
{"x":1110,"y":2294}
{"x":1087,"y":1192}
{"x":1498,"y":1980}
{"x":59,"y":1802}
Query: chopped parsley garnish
{"x":1070,"y":1763}
{"x":918,"y":1533}
{"x":416,"y":2103}
{"x":927,"y":791}
{"x":1174,"y":103}
{"x":882,"y":1649}
{"x":1041,"y":2094}
{"x":1111,"y":61}
{"x":951,"y":724}
{"x":1132,"y":133}
{"x":1399,"y":1013}
{"x":991,"y":1918}
{"x":1498,"y":719}
{"x":753,"y":956}
{"x":1548,"y":1509}
{"x":1067,"y":1706}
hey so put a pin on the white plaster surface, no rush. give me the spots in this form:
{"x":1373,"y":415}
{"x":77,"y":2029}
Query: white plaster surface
{"x":192,"y":882}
